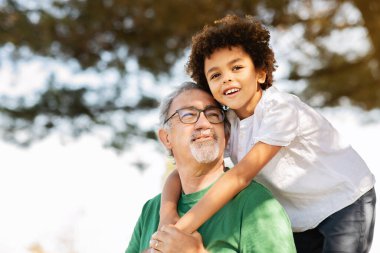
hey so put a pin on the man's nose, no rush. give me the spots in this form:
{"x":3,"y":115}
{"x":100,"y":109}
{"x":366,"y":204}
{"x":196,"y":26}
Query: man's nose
{"x":202,"y":121}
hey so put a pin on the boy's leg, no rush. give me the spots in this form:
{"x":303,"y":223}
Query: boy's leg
{"x":309,"y":241}
{"x":350,"y":230}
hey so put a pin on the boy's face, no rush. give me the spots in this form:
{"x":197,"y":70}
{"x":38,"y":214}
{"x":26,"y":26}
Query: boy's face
{"x":233,"y":80}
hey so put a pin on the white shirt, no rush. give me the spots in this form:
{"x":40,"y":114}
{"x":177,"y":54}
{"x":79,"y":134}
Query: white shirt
{"x":315,"y":173}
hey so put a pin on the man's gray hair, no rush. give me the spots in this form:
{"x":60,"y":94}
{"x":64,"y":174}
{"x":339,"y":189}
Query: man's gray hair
{"x":167,"y":102}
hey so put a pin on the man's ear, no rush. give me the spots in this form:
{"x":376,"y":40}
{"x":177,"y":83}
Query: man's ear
{"x":164,"y":138}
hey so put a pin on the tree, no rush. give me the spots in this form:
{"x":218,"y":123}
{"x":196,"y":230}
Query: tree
{"x":333,"y":76}
{"x":103,"y":35}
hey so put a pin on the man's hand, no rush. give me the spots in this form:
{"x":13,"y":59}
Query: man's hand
{"x":169,"y":239}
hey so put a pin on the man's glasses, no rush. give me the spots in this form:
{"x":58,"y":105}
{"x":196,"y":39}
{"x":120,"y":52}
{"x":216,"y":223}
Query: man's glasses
{"x":190,"y":115}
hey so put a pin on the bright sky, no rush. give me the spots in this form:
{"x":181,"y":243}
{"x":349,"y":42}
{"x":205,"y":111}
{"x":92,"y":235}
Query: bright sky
{"x":79,"y":193}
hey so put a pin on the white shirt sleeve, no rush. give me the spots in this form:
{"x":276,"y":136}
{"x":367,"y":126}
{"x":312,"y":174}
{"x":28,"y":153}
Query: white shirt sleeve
{"x":279,"y":124}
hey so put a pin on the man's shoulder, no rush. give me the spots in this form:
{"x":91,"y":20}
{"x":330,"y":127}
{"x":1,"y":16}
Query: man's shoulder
{"x":152,"y":203}
{"x":263,"y":216}
{"x":257,"y":188}
{"x":256,"y":200}
{"x":255,"y":192}
{"x":149,"y":215}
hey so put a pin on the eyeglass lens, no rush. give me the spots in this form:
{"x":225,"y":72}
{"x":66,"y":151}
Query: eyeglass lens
{"x":191,"y":115}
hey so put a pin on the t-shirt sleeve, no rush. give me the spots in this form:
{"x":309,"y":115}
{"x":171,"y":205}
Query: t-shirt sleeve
{"x":265,"y":225}
{"x":134,"y":243}
{"x":146,"y":225}
{"x":279,"y":124}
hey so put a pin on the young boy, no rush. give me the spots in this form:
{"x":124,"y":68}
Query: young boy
{"x":276,"y":139}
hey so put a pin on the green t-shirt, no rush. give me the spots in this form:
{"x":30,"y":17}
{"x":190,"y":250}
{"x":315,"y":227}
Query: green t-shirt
{"x":253,"y":221}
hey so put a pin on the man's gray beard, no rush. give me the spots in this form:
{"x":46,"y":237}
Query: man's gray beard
{"x":205,"y":151}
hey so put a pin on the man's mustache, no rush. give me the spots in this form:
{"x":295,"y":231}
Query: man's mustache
{"x":203,"y":133}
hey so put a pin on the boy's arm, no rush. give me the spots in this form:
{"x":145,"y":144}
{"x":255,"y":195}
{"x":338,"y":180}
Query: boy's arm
{"x":230,"y":184}
{"x":169,"y":199}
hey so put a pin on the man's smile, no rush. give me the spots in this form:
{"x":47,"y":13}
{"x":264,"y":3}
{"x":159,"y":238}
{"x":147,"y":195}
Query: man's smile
{"x":203,"y":138}
{"x":203,"y":135}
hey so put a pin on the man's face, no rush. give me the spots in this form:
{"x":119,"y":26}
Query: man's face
{"x":202,"y":141}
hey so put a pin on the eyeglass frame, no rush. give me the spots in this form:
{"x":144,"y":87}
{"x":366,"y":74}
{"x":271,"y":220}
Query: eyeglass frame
{"x":199,"y":114}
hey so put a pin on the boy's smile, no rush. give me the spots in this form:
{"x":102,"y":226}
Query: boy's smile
{"x":233,"y":80}
{"x":231,"y":91}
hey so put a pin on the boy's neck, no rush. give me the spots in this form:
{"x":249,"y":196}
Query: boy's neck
{"x":250,"y":107}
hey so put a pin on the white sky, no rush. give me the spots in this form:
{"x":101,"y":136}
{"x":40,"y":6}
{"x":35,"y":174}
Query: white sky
{"x":78,"y":192}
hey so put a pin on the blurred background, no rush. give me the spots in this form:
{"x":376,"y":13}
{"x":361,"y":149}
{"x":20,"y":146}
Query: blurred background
{"x":80,"y":82}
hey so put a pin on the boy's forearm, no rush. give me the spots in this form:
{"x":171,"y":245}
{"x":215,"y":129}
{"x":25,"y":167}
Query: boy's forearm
{"x":171,"y":191}
{"x":168,"y":214}
{"x":230,"y":184}
{"x":219,"y":194}
{"x":169,"y":200}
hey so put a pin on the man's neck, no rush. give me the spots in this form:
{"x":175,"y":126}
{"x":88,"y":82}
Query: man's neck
{"x":197,"y":177}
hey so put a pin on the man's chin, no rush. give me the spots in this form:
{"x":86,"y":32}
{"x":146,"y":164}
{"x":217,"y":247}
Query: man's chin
{"x":205,"y":152}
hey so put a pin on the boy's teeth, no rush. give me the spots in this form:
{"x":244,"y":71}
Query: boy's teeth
{"x":231,"y":91}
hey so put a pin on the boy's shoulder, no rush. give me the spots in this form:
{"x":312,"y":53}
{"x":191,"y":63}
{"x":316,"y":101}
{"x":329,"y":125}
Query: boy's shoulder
{"x":273,"y":94}
{"x":274,"y":99}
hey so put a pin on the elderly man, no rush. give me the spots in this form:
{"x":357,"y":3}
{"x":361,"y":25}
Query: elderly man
{"x":193,"y":129}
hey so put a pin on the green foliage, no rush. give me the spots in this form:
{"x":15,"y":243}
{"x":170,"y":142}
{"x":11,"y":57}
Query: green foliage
{"x":108,"y":34}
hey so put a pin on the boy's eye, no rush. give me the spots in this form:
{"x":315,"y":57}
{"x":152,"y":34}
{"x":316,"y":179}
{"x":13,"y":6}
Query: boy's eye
{"x":237,"y":67}
{"x":214,"y":76}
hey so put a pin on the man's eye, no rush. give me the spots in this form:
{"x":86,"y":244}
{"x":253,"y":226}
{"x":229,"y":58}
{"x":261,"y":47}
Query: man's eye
{"x":215,"y":114}
{"x":187,"y":115}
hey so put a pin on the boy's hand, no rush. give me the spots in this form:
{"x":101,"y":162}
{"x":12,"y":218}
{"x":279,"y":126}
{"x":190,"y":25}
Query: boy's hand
{"x":171,"y":240}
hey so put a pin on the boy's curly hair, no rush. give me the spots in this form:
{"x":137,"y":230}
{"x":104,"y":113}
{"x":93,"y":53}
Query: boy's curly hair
{"x":231,"y":31}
